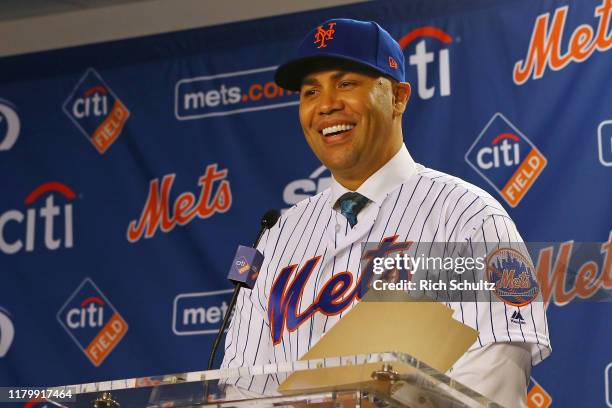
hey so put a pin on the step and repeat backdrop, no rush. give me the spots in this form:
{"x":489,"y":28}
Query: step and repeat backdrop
{"x":131,"y":170}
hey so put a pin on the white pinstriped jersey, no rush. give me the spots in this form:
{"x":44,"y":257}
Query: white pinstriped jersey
{"x":429,"y":206}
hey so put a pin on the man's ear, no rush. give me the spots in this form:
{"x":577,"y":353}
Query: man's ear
{"x":401,"y":95}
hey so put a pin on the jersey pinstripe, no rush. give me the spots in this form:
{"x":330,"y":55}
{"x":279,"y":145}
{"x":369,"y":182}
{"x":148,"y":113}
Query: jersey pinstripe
{"x":430,"y":206}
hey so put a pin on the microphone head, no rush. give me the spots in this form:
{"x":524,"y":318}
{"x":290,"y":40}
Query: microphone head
{"x":270,"y":218}
{"x":245,"y":266}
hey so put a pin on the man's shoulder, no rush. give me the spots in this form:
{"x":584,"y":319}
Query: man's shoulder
{"x":318,"y":201}
{"x":466,"y":191}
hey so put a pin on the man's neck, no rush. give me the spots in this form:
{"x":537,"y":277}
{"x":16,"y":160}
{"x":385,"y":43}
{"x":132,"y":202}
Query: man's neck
{"x":353,"y":180}
{"x":396,"y":171}
{"x":352,"y":184}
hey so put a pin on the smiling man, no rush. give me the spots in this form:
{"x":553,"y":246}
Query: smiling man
{"x":350,"y":75}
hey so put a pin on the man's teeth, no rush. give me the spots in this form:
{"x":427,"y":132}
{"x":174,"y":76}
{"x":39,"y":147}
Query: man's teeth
{"x":336,"y":129}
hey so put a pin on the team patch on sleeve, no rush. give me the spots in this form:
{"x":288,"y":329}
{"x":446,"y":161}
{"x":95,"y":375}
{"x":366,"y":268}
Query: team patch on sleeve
{"x":513,"y":275}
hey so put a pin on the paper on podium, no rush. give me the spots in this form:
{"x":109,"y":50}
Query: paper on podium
{"x":423,"y":329}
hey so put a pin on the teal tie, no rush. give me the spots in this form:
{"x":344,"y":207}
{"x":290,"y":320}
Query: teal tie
{"x":350,"y":204}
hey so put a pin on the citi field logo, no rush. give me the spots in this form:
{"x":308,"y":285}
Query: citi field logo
{"x":301,"y":189}
{"x":537,"y":397}
{"x":92,"y":322}
{"x":546,"y":43}
{"x":420,"y":58}
{"x":230,"y":93}
{"x":96,"y":111}
{"x":506,"y":159}
{"x":10,"y":125}
{"x":242,"y":265}
{"x":7,"y":332}
{"x":200,"y":313}
{"x":215,"y":197}
{"x":52,"y":220}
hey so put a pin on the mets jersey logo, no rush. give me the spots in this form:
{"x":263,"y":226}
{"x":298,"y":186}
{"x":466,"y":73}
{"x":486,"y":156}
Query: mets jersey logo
{"x":332,"y":299}
{"x":514,"y":277}
{"x":323,"y":35}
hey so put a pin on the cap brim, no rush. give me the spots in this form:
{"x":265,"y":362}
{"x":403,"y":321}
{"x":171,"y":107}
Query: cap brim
{"x":291,"y":74}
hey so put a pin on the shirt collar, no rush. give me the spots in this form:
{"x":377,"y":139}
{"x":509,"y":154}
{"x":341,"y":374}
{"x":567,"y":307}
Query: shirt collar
{"x":386,"y":179}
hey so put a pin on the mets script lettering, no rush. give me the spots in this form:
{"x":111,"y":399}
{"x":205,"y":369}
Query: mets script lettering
{"x":331,"y":300}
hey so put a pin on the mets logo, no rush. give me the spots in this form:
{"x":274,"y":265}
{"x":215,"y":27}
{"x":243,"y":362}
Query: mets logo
{"x":506,"y":159}
{"x":513,"y":275}
{"x":323,"y":35}
{"x":92,"y":322}
{"x":334,"y":297}
{"x":96,"y":111}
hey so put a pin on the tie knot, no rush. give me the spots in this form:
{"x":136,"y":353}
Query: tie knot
{"x":350,"y":204}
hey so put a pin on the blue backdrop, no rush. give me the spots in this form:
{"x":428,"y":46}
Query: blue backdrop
{"x":130,"y":170}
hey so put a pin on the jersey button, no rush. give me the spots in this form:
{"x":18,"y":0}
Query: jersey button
{"x":338,"y":227}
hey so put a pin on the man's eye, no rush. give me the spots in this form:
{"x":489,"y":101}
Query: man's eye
{"x":346,"y":84}
{"x":309,"y":92}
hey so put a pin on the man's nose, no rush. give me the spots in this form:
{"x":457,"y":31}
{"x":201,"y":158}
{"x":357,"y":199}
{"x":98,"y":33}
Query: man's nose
{"x":329,"y":102}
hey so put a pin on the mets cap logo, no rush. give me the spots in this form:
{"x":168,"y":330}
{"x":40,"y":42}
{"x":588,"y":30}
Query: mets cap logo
{"x":506,"y":159}
{"x":96,"y":111}
{"x":92,"y":322}
{"x":322,"y":35}
{"x":513,"y":275}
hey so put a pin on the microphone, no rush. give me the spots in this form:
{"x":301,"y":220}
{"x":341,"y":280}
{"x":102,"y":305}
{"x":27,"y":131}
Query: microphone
{"x":243,"y":273}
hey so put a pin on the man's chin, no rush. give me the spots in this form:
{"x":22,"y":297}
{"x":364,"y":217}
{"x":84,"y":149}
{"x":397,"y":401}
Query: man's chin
{"x":340,"y":165}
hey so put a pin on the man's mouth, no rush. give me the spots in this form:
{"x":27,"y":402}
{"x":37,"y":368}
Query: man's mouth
{"x":336,"y":129}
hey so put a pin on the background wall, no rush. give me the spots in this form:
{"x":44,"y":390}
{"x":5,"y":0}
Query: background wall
{"x":131,"y":169}
{"x":41,"y":25}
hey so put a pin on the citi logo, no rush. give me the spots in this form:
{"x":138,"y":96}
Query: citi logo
{"x":504,"y":151}
{"x":96,"y":111}
{"x":90,"y":313}
{"x":10,"y":125}
{"x":301,"y":189}
{"x":93,"y":102}
{"x":92,"y":322}
{"x":7,"y":332}
{"x":506,"y":159}
{"x":421,"y":57}
{"x":45,"y":219}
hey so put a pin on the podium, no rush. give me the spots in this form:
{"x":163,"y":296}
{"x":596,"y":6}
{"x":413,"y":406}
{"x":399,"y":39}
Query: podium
{"x":366,"y":380}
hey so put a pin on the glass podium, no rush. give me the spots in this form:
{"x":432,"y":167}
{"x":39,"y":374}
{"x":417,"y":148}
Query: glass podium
{"x":366,"y":380}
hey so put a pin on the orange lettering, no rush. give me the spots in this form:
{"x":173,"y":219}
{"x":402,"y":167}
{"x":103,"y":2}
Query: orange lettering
{"x":586,"y":280}
{"x":183,"y":204}
{"x":156,"y":211}
{"x":545,"y":44}
{"x":554,"y":280}
{"x":543,"y":47}
{"x":156,"y":208}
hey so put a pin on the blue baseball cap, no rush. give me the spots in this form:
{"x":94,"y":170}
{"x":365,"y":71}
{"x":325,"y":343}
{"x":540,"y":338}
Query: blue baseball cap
{"x":363,"y":42}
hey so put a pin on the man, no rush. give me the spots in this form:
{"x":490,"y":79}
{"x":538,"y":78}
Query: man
{"x":350,"y":75}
